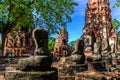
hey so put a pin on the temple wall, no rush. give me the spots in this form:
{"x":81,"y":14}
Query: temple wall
{"x":98,"y":23}
{"x":19,"y":44}
{"x":61,"y":44}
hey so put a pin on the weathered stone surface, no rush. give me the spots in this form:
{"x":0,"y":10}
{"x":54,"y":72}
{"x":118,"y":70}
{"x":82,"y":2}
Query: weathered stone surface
{"x":96,"y":56}
{"x":113,"y":42}
{"x":51,"y":74}
{"x":70,"y":69}
{"x":97,"y":66}
{"x":118,"y":56}
{"x":42,"y":59}
{"x":67,"y":78}
{"x":61,"y":44}
{"x":99,"y":36}
{"x":105,"y":48}
{"x":19,"y":44}
{"x":96,"y":76}
{"x":40,"y":37}
{"x":78,"y":54}
{"x":98,"y":28}
{"x":36,"y":63}
{"x":78,"y":71}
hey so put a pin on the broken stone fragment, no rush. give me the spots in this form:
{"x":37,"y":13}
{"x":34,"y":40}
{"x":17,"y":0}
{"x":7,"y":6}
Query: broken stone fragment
{"x":34,"y":63}
{"x":42,"y":59}
{"x":78,"y":54}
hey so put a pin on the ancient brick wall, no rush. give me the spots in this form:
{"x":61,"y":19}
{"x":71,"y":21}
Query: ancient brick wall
{"x":61,"y":43}
{"x":98,"y":24}
{"x":19,"y":44}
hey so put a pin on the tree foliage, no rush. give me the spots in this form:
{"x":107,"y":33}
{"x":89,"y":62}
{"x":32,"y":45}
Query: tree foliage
{"x":116,"y":25}
{"x":51,"y":44}
{"x":71,"y":44}
{"x":51,"y":14}
{"x":117,"y":4}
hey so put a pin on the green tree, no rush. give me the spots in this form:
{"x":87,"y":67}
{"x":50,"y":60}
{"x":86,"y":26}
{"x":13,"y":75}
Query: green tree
{"x":71,"y":44}
{"x":51,"y":44}
{"x":116,"y":25}
{"x":50,"y":13}
{"x":117,"y":4}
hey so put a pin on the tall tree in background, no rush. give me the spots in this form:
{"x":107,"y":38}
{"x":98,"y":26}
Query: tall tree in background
{"x":51,"y":44}
{"x":51,"y":14}
{"x":116,"y":25}
{"x":117,"y":4}
{"x":71,"y":44}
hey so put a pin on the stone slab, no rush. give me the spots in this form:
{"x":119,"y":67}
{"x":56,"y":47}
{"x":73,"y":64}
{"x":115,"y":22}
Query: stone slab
{"x":31,"y":75}
{"x":98,"y":66}
{"x":72,"y":69}
{"x":66,"y":78}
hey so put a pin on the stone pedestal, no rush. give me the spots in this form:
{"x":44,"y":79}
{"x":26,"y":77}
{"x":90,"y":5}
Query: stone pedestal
{"x":91,"y":75}
{"x":66,"y":77}
{"x":38,"y":66}
{"x":88,"y":76}
{"x":72,"y":69}
{"x":96,"y":66}
{"x":31,"y":75}
{"x":36,"y":63}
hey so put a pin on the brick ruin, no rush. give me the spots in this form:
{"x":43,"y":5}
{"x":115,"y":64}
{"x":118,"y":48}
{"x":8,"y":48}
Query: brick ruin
{"x":33,"y":67}
{"x":61,"y":43}
{"x":19,"y":43}
{"x":98,"y":25}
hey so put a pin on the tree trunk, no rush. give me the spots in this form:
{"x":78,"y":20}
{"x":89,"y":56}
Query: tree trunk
{"x":3,"y":36}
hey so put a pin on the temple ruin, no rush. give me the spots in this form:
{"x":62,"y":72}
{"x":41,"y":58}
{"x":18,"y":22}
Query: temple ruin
{"x":98,"y":26}
{"x":61,"y":43}
{"x":19,"y":43}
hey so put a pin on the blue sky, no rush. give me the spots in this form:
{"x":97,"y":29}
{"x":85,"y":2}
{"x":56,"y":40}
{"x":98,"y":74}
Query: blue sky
{"x":75,"y":27}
